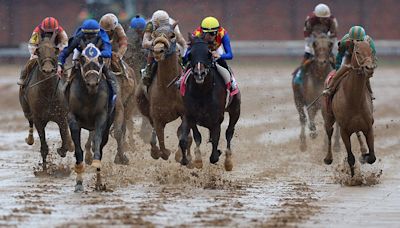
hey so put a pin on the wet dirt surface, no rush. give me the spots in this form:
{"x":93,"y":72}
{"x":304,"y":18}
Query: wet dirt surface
{"x":272,"y":182}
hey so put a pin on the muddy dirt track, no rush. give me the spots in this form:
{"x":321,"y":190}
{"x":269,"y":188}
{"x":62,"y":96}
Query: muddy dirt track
{"x":272,"y":182}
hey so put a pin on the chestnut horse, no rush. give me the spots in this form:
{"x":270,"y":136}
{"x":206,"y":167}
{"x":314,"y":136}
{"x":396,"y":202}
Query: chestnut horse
{"x":351,"y":105}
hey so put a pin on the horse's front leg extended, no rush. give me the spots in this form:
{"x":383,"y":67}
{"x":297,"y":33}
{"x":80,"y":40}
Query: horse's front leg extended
{"x":100,"y":126}
{"x":44,"y":149}
{"x":350,"y":155}
{"x":76,"y":138}
{"x":67,"y":144}
{"x":183,"y":140}
{"x":215,"y":134}
{"x":159,"y":127}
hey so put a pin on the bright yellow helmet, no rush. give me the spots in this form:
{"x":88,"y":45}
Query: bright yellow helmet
{"x":210,"y":24}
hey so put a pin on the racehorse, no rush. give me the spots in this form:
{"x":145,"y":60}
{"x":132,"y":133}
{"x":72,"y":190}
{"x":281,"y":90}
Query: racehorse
{"x":312,"y":87}
{"x":125,"y":106}
{"x":204,"y":100}
{"x":91,"y":107}
{"x":162,"y":104}
{"x":42,"y":101}
{"x":351,"y":106}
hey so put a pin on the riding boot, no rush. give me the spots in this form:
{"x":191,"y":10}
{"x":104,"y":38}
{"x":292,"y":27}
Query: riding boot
{"x":298,"y":79}
{"x":112,"y":81}
{"x":333,"y":83}
{"x":25,"y":71}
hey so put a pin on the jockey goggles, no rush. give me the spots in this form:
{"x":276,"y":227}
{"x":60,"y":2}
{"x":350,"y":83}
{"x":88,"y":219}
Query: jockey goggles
{"x":214,"y":33}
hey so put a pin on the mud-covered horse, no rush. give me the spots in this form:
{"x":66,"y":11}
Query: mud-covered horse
{"x":204,"y":99}
{"x":91,"y":105}
{"x":161,"y":103}
{"x":42,"y":101}
{"x":135,"y":57}
{"x":126,"y":107}
{"x":351,"y":106}
{"x":312,"y":86}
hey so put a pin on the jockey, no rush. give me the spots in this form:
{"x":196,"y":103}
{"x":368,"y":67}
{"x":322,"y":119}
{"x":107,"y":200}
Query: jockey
{"x":47,"y":27}
{"x":159,"y":18}
{"x":138,"y":24}
{"x":118,"y":39}
{"x":90,"y":32}
{"x":220,"y":45}
{"x":319,"y":21}
{"x":345,"y":50}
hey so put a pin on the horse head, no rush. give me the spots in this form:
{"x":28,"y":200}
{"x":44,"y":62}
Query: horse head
{"x":164,"y":42}
{"x":361,"y":58}
{"x":91,"y":67}
{"x":47,"y":53}
{"x":200,"y":58}
{"x":322,"y":49}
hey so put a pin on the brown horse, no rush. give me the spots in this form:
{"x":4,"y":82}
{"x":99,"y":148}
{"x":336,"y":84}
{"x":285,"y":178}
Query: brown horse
{"x":162,"y":104}
{"x":312,"y":86}
{"x":42,"y":101}
{"x":135,"y":57}
{"x":127,"y":86}
{"x":352,"y":105}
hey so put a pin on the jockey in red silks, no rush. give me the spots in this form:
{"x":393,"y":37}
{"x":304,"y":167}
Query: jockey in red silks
{"x":47,"y":27}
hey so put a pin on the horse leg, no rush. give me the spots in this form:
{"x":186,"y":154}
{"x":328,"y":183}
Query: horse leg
{"x":160,"y":135}
{"x":178,"y":153}
{"x":119,"y":132}
{"x":128,"y":115}
{"x":311,"y":115}
{"x":363,"y":148}
{"x":299,"y":102}
{"x":100,"y":128}
{"x":29,"y":140}
{"x":88,"y":148}
{"x":370,"y":157}
{"x":155,"y":151}
{"x":44,"y":149}
{"x":198,"y":162}
{"x":336,"y":146}
{"x":329,"y":131}
{"x":215,"y":134}
{"x":234,"y":113}
{"x":183,"y":140}
{"x":347,"y":144}
{"x":99,"y":186}
{"x":79,"y":167}
{"x":65,"y":138}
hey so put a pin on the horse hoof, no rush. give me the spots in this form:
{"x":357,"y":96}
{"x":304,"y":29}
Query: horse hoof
{"x":198,"y":163}
{"x":184,"y":161}
{"x":215,"y":157}
{"x":62,"y":152}
{"x":369,"y":158}
{"x":155,"y":153}
{"x":96,"y":164}
{"x":165,"y":154}
{"x":228,"y":164}
{"x":29,"y":140}
{"x":78,"y":188}
{"x":328,"y":161}
{"x":121,"y":160}
{"x":178,"y":155}
{"x":313,"y":134}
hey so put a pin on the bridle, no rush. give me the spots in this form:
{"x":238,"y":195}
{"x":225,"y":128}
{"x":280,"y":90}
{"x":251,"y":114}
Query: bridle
{"x":361,"y":66}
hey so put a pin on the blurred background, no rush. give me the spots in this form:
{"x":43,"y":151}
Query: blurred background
{"x":256,"y":27}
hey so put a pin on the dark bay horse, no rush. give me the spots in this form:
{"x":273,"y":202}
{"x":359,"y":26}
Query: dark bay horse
{"x":125,"y":106}
{"x":312,"y":87}
{"x":351,"y":106}
{"x":162,"y":104}
{"x":204,"y":101}
{"x":91,"y":107}
{"x":42,"y":101}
